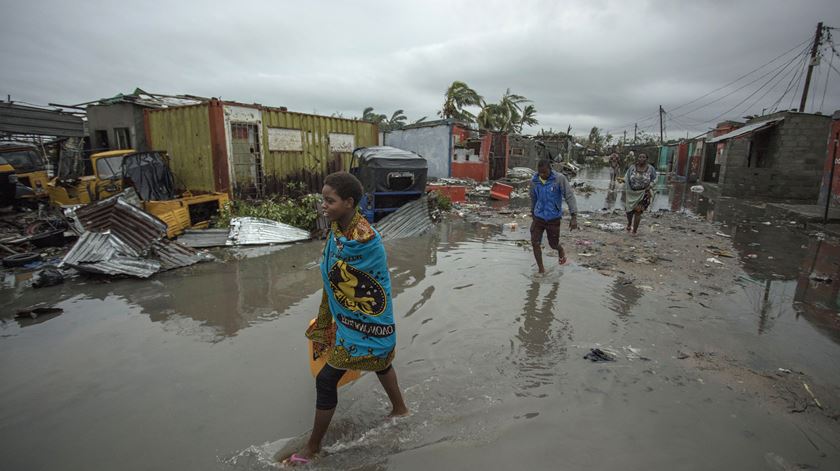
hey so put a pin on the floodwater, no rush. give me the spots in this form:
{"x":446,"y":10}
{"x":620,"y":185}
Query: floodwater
{"x":205,"y":367}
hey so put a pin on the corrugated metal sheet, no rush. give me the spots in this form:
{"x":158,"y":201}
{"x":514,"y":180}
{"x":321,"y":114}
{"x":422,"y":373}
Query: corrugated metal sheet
{"x":120,"y":239}
{"x":174,"y":255}
{"x":315,"y":160}
{"x":104,"y":253}
{"x":118,"y":265}
{"x":19,"y":119}
{"x":95,"y":247}
{"x":184,"y":133}
{"x":413,"y":219}
{"x":746,"y":129}
{"x":203,"y":238}
{"x":258,"y":231}
{"x":135,"y":227}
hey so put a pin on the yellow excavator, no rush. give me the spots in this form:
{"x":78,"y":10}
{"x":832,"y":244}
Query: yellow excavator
{"x":150,"y":175}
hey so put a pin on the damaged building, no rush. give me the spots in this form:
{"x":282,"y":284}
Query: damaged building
{"x":778,"y":156}
{"x":453,"y":149}
{"x":246,"y":150}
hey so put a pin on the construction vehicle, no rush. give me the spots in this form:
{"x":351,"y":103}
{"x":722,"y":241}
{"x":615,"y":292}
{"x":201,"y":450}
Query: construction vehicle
{"x":150,"y":176}
{"x":8,"y":181}
{"x":30,"y":168}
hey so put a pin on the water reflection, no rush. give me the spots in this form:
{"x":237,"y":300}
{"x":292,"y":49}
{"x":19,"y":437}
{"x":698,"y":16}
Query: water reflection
{"x":624,"y":295}
{"x":542,"y":337}
{"x":818,"y":289}
{"x":788,"y":270}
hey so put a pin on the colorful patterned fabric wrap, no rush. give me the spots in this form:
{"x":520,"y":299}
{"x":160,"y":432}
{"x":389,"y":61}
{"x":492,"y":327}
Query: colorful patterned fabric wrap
{"x":355,"y":324}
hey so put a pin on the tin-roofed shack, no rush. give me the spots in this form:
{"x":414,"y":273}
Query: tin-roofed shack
{"x":118,"y":122}
{"x":778,"y":156}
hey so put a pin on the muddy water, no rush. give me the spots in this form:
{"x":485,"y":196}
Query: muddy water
{"x":205,"y":368}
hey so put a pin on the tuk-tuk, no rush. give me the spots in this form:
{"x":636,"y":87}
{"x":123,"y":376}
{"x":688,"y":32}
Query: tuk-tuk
{"x":391,"y":177}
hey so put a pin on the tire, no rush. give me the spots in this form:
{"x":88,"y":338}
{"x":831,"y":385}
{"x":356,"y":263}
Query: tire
{"x":20,"y":259}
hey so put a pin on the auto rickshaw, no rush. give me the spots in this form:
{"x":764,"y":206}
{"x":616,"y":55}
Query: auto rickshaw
{"x":391,"y":177}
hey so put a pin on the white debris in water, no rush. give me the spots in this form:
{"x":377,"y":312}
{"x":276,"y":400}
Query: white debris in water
{"x":714,"y":260}
{"x":611,"y":227}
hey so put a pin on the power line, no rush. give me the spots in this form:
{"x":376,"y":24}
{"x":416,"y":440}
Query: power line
{"x":802,"y":52}
{"x":765,"y":84}
{"x":773,"y":87}
{"x":655,"y":114}
{"x":790,"y":85}
{"x":827,"y":77}
{"x":796,"y":87}
{"x":745,"y":75}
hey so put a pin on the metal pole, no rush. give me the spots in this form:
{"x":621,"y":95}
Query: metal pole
{"x":831,"y":178}
{"x":635,"y":130}
{"x":661,"y":126}
{"x":814,"y":49}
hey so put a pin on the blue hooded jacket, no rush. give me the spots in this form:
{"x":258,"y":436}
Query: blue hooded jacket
{"x":547,"y":198}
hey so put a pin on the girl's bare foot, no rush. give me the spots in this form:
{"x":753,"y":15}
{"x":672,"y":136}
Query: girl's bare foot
{"x":302,"y":457}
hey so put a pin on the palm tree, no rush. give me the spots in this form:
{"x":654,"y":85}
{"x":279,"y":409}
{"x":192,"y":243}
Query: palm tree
{"x":397,"y":121}
{"x":528,"y":118}
{"x":507,"y":115}
{"x":458,"y":96}
{"x":371,"y":117}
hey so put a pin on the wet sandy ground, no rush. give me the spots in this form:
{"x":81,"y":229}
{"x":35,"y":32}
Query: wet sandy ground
{"x":204,"y":368}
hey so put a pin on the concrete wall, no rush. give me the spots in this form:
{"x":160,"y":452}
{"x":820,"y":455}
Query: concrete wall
{"x":432,"y":142}
{"x":531,"y":152}
{"x":792,"y":167}
{"x":118,"y":115}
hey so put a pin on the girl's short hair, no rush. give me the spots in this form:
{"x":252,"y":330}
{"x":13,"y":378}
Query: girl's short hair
{"x":346,"y":185}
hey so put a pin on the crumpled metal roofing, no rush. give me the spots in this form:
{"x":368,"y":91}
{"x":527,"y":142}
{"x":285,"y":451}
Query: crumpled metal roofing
{"x":134,"y":226}
{"x":120,"y":239}
{"x":174,"y":255}
{"x":259,"y":231}
{"x":106,"y":254}
{"x":203,"y":238}
{"x":412,"y":219}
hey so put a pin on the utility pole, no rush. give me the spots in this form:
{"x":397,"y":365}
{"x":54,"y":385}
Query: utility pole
{"x":624,"y":141}
{"x":661,"y":126}
{"x":831,"y":178}
{"x":635,"y":130}
{"x":814,"y":50}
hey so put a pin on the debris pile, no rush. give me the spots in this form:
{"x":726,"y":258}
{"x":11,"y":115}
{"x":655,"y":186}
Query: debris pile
{"x":118,"y":238}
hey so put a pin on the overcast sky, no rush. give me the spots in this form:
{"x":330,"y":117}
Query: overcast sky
{"x":583,"y":63}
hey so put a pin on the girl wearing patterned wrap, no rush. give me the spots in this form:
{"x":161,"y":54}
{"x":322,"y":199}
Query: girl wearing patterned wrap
{"x":638,"y":185}
{"x":355,"y":325}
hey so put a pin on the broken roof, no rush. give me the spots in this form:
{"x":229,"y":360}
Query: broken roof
{"x":149,"y":100}
{"x":753,"y":127}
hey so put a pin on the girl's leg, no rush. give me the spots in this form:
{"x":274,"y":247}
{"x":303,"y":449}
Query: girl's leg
{"x":388,"y":379}
{"x":629,"y":220}
{"x":636,"y":220}
{"x":326,"y":386}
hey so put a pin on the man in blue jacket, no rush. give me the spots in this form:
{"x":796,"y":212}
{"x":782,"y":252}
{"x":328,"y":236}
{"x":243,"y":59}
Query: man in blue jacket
{"x":548,"y":190}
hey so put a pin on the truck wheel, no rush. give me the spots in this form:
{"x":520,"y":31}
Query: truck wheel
{"x":20,"y":259}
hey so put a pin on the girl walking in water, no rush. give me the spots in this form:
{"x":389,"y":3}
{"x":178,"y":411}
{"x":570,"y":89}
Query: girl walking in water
{"x":355,"y":327}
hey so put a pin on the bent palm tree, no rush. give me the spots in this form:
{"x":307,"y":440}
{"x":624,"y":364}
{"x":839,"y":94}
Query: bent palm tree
{"x":458,"y":96}
{"x":528,"y":118}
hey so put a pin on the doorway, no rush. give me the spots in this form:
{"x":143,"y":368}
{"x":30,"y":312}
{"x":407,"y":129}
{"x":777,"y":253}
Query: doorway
{"x":246,"y":156}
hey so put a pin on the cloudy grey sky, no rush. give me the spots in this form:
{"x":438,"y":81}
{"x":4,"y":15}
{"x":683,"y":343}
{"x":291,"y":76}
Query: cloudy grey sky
{"x":583,"y":63}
